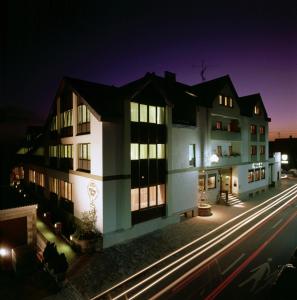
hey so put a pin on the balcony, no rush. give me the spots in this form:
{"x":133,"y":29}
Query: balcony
{"x":262,"y":137}
{"x":253,"y":137}
{"x":253,"y":158}
{"x":233,"y":159}
{"x":67,"y":131}
{"x":223,"y":134}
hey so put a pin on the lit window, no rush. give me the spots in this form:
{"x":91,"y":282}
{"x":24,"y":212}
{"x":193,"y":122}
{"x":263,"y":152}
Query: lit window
{"x":134,"y":199}
{"x":143,"y":113}
{"x":257,"y":174}
{"x":152,"y":114}
{"x":66,"y":151}
{"x":230,"y":102}
{"x":134,"y":111}
{"x":143,"y":198}
{"x":66,"y":118}
{"x":226,"y":101}
{"x":84,"y":157}
{"x":66,"y":190}
{"x":253,"y":150}
{"x":32,"y":176}
{"x":53,"y":151}
{"x":211,"y":181}
{"x":143,"y":151}
{"x":152,"y":151}
{"x":253,"y":129}
{"x":192,"y":161}
{"x":220,"y":99}
{"x":83,"y":114}
{"x":134,"y":151}
{"x":161,"y":193}
{"x":219,"y":125}
{"x":153,"y":195}
{"x":262,"y":130}
{"x":257,"y":110}
{"x":54,"y":185}
{"x":251,"y":176}
{"x":160,"y":115}
{"x":160,"y":151}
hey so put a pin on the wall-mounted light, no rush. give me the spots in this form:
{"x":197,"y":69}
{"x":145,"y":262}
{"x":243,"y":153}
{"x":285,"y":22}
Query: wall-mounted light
{"x":4,"y":252}
{"x":214,"y":158}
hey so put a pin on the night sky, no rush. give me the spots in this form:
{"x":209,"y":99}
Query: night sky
{"x":114,"y":42}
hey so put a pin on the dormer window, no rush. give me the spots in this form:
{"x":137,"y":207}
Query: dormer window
{"x":257,"y":110}
{"x":225,"y":101}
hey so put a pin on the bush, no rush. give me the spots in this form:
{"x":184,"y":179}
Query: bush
{"x":54,"y":261}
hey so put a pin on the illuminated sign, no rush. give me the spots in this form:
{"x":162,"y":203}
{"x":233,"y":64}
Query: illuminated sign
{"x":285,"y":159}
{"x":257,"y":165}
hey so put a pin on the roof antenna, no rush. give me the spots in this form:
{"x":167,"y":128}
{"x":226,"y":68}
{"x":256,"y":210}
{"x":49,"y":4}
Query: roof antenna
{"x":203,"y":70}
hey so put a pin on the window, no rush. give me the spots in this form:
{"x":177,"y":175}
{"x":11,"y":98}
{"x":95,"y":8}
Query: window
{"x":225,"y":101}
{"x":160,"y":115}
{"x":253,"y":150}
{"x":143,"y":113}
{"x":66,"y":190}
{"x":54,"y":123}
{"x":253,"y":129}
{"x":160,"y":151}
{"x":32,"y":176}
{"x":143,"y":151}
{"x":66,"y":151}
{"x":39,"y":179}
{"x":219,"y":151}
{"x":84,"y":157}
{"x":145,"y":197}
{"x":134,"y":151}
{"x":53,"y":151}
{"x":83,"y":119}
{"x":192,"y":160}
{"x":134,"y":111}
{"x":211,"y":181}
{"x":262,"y":149}
{"x":152,"y":151}
{"x":219,"y":125}
{"x":152,"y":114}
{"x":262,"y":130}
{"x":251,"y":176}
{"x":66,"y":118}
{"x":54,"y":185}
{"x":257,"y":174}
{"x":83,"y":114}
{"x":257,"y":110}
{"x":230,"y":151}
{"x":262,"y":173}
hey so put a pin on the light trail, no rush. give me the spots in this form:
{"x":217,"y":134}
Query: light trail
{"x":213,"y":242}
{"x":284,"y":194}
{"x":201,"y":252}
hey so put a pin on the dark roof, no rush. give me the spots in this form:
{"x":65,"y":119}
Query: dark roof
{"x":247,"y":104}
{"x":208,"y":90}
{"x":102,"y":98}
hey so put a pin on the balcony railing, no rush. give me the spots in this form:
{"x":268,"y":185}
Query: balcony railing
{"x":83,"y":128}
{"x":232,"y":159}
{"x":253,"y":137}
{"x":84,"y":165}
{"x":224,"y":134}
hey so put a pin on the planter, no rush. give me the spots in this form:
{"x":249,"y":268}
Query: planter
{"x":89,"y":245}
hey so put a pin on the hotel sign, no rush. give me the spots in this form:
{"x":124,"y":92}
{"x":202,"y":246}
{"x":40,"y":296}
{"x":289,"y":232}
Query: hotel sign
{"x":257,"y":165}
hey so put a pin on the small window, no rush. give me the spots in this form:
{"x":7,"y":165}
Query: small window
{"x":230,"y":102}
{"x":134,"y":111}
{"x":143,"y":197}
{"x":219,"y":151}
{"x":152,"y":114}
{"x":134,"y":151}
{"x":160,"y":151}
{"x":143,"y":113}
{"x":161,"y":194}
{"x":134,"y":199}
{"x":257,"y":110}
{"x":251,"y":176}
{"x":253,"y":129}
{"x":143,"y":151}
{"x":160,"y":115}
{"x":253,"y":150}
{"x":211,"y":181}
{"x":262,"y":130}
{"x":192,"y":160}
{"x":257,"y":174}
{"x":220,"y":99}
{"x":153,"y":195}
{"x":152,"y":151}
{"x":219,"y":125}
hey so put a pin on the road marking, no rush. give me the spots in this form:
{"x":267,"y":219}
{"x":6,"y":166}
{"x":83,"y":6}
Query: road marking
{"x":233,"y":264}
{"x":277,"y":223}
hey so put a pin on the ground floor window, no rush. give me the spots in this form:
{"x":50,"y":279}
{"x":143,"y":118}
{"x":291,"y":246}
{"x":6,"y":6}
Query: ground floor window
{"x":263,"y":173}
{"x":211,"y":181}
{"x":145,"y":197}
{"x":251,"y":176}
{"x":256,"y":175}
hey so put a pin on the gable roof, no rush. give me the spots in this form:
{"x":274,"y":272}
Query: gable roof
{"x":247,"y":104}
{"x":208,"y":90}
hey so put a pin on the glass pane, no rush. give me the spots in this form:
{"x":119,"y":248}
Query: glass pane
{"x":160,"y":115}
{"x":152,"y":114}
{"x":89,"y":151}
{"x":211,"y":182}
{"x":153,"y":195}
{"x":134,"y":111}
{"x":161,"y":151}
{"x":134,"y":151}
{"x":143,"y":113}
{"x":161,"y":193}
{"x":143,"y":151}
{"x":143,"y":198}
{"x":192,"y":155}
{"x":152,"y":151}
{"x":134,"y":200}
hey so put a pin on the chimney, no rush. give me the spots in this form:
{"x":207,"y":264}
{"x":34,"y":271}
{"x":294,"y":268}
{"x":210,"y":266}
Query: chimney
{"x":170,"y":76}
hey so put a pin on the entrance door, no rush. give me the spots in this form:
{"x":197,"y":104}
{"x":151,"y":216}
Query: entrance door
{"x":226,"y":180}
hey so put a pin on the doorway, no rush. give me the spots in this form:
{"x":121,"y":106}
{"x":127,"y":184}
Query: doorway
{"x":226,"y":180}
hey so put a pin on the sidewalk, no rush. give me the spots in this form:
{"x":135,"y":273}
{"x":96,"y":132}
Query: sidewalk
{"x":92,"y":274}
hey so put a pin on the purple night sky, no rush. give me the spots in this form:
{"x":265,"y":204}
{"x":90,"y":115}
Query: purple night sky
{"x":255,"y":42}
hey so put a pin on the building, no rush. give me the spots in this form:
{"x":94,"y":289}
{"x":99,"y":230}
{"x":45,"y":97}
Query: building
{"x":143,"y":153}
